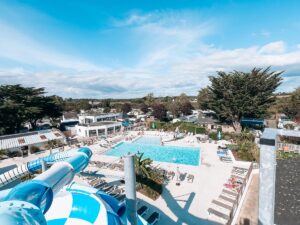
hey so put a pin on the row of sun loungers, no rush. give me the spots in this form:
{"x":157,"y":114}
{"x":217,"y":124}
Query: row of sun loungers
{"x":152,"y":219}
{"x":105,"y":165}
{"x":221,"y":209}
{"x":169,"y":175}
{"x":112,"y":190}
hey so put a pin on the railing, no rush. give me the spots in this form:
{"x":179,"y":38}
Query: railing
{"x":288,"y":147}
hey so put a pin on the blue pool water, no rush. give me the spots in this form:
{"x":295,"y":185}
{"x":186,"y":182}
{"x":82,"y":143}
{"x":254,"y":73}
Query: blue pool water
{"x":149,"y":140}
{"x":152,"y":149}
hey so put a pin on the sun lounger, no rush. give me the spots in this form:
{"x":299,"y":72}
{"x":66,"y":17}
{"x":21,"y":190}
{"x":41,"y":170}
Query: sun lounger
{"x":116,"y":192}
{"x":217,"y":220}
{"x":222,"y":204}
{"x":170,"y":175}
{"x":101,"y":185}
{"x":153,"y":218}
{"x":142,"y":210}
{"x":219,"y":211}
{"x":225,"y":159}
{"x":190,"y":178}
{"x":230,"y":192}
{"x":227,"y":198}
{"x":94,"y":182}
{"x":108,"y":188}
{"x":121,"y":197}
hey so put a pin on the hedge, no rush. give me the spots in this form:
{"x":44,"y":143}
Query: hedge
{"x":183,"y":127}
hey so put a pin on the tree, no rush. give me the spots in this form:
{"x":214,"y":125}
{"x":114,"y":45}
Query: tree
{"x":21,"y":104}
{"x":203,"y":99}
{"x":106,"y":105}
{"x":291,"y":105}
{"x":142,"y":166}
{"x":186,"y":108}
{"x":144,"y":108}
{"x":182,"y":105}
{"x":237,"y":94}
{"x":159,"y":111}
{"x":126,"y":108}
{"x":173,"y":107}
{"x":149,"y":99}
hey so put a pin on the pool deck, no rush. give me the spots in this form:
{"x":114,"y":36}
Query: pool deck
{"x":188,"y":203}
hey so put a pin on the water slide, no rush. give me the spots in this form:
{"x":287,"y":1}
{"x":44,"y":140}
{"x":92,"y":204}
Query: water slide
{"x":30,"y":202}
{"x":33,"y":166}
{"x":52,"y":198}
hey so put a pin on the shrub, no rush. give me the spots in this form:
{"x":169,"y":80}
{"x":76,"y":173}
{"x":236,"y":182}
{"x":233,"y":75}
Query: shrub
{"x":213,"y":135}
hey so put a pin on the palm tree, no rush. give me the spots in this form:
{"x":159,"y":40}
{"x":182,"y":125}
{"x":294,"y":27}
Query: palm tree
{"x":142,"y":166}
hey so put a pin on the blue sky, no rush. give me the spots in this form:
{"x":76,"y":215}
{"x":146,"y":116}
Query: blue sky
{"x":123,"y":49}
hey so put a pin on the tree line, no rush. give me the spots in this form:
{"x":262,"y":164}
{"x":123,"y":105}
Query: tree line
{"x":19,"y":105}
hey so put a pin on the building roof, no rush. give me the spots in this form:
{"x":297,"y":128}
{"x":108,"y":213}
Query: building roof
{"x":100,"y":123}
{"x":70,"y":115}
{"x":287,"y":195}
{"x":100,"y":114}
{"x":30,"y":138}
{"x":206,"y":120}
{"x":271,"y":133}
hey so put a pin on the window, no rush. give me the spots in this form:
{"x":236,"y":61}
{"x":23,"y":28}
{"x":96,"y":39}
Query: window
{"x":101,"y":132}
{"x":92,"y":133}
{"x":21,"y":141}
{"x":57,"y":134}
{"x":110,"y":130}
{"x":118,"y":128}
{"x":43,"y":137}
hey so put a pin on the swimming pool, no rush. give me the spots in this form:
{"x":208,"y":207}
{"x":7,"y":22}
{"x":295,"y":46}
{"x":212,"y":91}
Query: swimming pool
{"x":152,"y":149}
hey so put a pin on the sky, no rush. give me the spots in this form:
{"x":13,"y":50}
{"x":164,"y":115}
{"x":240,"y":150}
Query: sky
{"x":125,"y":49}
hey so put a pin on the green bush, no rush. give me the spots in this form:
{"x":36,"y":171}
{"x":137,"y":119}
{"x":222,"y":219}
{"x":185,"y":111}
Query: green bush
{"x":213,"y":136}
{"x":183,"y":127}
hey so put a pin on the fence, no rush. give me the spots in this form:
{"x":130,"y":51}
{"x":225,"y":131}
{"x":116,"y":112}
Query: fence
{"x":288,"y":147}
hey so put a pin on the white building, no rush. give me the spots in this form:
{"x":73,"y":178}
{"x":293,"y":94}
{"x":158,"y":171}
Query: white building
{"x":98,"y":117}
{"x":98,"y":129}
{"x":25,"y":141}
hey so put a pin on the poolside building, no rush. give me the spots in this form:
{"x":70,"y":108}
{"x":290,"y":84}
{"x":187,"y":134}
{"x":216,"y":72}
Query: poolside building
{"x":24,"y":142}
{"x":98,"y":129}
{"x":94,"y":117}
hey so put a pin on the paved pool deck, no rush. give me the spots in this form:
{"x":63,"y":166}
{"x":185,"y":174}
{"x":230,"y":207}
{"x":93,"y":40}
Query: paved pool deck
{"x":188,"y":203}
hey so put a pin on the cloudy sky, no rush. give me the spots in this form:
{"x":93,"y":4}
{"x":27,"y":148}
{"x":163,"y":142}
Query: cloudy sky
{"x":123,"y":49}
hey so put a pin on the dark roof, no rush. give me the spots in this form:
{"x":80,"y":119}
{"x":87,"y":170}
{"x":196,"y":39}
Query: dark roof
{"x":287,"y":194}
{"x":252,"y":121}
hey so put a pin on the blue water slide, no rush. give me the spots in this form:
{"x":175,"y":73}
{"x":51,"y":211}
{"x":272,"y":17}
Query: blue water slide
{"x":35,"y":165}
{"x":29,"y":201}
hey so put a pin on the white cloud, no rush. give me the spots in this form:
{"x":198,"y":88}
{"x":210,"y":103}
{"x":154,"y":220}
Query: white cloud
{"x":21,"y":48}
{"x":273,"y":47}
{"x":174,"y":58}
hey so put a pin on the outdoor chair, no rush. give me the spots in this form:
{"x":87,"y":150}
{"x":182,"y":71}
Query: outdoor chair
{"x":153,"y":218}
{"x":142,"y":210}
{"x":121,"y":197}
{"x":190,"y":178}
